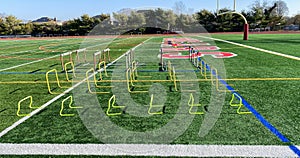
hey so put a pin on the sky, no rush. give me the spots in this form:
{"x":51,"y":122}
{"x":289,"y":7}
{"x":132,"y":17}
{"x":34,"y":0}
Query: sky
{"x":70,"y":9}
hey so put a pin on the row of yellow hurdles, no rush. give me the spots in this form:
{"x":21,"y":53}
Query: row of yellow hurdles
{"x":111,"y":106}
{"x":131,"y":73}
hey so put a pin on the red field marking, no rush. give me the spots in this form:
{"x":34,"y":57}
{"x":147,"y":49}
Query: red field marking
{"x":184,"y":45}
{"x":183,"y":40}
{"x":43,"y":48}
{"x":187,"y":45}
{"x":218,"y":55}
{"x":187,"y":49}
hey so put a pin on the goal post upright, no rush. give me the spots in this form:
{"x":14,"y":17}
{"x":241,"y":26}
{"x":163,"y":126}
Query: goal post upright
{"x":246,"y":25}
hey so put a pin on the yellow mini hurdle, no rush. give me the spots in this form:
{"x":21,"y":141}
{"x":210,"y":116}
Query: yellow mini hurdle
{"x":174,"y":79}
{"x":111,"y":105}
{"x":239,"y":104}
{"x":30,"y":106}
{"x":134,"y":69}
{"x":70,"y":106}
{"x":154,"y":106}
{"x":104,"y":68}
{"x":78,"y":56}
{"x":172,"y":74}
{"x":100,"y":56}
{"x":217,"y":80}
{"x":62,"y":58}
{"x":203,"y":69}
{"x":192,"y":104}
{"x":96,"y":58}
{"x":106,"y":51}
{"x":57,"y":81}
{"x":134,"y":75}
{"x":170,"y":70}
{"x":72,"y":68}
{"x":95,"y":82}
{"x":129,"y":79}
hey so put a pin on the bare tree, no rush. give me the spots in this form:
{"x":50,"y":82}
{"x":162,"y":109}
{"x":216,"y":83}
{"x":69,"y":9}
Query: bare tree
{"x":179,"y":8}
{"x":281,"y":8}
{"x":295,"y":20}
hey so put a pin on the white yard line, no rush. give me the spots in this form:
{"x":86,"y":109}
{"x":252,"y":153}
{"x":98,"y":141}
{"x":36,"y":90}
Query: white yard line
{"x":13,"y":67}
{"x":58,"y":97}
{"x":16,"y":53}
{"x":147,"y":150}
{"x":17,"y":66}
{"x":254,"y":48}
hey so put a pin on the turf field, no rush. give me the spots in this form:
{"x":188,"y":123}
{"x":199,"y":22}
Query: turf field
{"x":267,"y":81}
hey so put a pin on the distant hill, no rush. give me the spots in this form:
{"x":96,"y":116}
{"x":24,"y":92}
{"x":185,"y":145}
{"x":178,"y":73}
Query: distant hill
{"x":126,"y":11}
{"x":47,"y":20}
{"x":43,"y":20}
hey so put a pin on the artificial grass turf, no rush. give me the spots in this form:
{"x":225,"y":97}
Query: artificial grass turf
{"x":35,"y":50}
{"x":12,"y":93}
{"x":282,"y":43}
{"x":227,"y":130}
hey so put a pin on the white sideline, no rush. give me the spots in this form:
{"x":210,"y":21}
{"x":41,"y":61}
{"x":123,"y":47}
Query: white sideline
{"x":58,"y":97}
{"x":148,"y":150}
{"x":9,"y":68}
{"x":254,"y":48}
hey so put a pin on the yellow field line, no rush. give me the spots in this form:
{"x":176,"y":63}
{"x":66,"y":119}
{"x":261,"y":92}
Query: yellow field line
{"x":197,"y":80}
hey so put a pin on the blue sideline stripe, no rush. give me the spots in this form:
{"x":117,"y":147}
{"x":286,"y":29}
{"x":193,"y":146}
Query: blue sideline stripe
{"x":255,"y":113}
{"x":295,"y":149}
{"x":260,"y":117}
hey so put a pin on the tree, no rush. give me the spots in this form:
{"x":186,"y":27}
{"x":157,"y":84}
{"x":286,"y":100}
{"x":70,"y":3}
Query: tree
{"x":257,"y":13}
{"x":150,"y":17}
{"x":264,"y":15}
{"x":223,"y":22}
{"x":170,"y":18}
{"x":297,"y":19}
{"x":160,"y":19}
{"x":185,"y":22}
{"x":121,"y":18}
{"x":70,"y":27}
{"x":12,"y":25}
{"x":206,"y":19}
{"x":101,"y":17}
{"x":27,"y":28}
{"x":136,"y":19}
{"x":1,"y":25}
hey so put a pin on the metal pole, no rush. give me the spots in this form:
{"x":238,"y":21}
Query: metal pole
{"x":234,"y":5}
{"x":126,"y":56}
{"x":161,"y":57}
{"x":218,"y":6}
